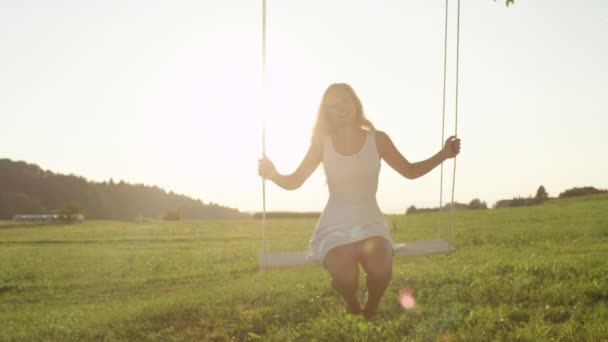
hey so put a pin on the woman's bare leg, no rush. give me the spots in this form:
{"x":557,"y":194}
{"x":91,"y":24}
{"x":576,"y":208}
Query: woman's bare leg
{"x":342,"y":265}
{"x":377,"y":261}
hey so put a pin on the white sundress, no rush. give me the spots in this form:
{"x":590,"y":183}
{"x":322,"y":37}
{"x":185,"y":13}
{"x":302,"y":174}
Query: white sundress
{"x":351,"y":213}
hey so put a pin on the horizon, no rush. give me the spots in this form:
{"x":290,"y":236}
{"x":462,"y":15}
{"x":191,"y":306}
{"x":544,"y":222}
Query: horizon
{"x":252,"y":213}
{"x":169,"y":96}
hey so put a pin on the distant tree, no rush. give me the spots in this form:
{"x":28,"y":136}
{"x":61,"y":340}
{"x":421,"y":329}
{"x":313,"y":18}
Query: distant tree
{"x":455,"y":206}
{"x":27,"y":189}
{"x":17,"y":203}
{"x":477,"y":204}
{"x":541,"y":193}
{"x":503,"y":203}
{"x":173,"y":215}
{"x":586,"y":190}
{"x":411,"y":210}
{"x":69,"y":213}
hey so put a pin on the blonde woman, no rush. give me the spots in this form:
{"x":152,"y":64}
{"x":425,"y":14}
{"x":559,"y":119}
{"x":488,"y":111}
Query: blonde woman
{"x":352,"y":230}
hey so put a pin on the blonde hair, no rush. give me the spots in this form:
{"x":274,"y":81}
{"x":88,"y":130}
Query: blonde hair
{"x":322,"y":127}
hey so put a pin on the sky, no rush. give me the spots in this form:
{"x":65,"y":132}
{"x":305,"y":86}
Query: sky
{"x":168,"y":93}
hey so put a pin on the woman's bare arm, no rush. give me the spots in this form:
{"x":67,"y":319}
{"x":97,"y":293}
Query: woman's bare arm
{"x":399,"y":163}
{"x":293,"y":181}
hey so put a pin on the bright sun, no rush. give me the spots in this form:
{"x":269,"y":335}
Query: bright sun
{"x":224,"y":96}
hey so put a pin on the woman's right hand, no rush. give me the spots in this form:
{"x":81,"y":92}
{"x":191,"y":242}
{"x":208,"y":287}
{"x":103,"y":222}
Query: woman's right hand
{"x":451,"y":147}
{"x":266,"y":169}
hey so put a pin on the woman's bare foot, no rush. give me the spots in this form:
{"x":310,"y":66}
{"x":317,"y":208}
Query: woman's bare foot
{"x":370,"y":307}
{"x":353,"y":307}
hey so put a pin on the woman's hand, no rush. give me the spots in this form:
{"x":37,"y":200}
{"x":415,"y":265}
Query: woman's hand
{"x":266,"y":169}
{"x":451,"y":147}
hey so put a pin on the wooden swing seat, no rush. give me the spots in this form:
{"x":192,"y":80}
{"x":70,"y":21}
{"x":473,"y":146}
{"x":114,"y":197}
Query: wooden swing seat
{"x":400,"y":250}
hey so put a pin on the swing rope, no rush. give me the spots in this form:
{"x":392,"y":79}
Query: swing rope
{"x":452,"y":209}
{"x":445,"y":49}
{"x":264,"y":127}
{"x":445,"y":66}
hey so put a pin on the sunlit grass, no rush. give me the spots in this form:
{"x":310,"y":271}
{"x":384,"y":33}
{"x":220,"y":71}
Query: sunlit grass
{"x":535,"y":273}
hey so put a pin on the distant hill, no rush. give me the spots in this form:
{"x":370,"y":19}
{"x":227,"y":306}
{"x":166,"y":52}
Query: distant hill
{"x":582,"y":191}
{"x":27,"y":189}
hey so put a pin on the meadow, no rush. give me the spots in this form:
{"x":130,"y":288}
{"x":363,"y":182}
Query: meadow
{"x":521,"y":274}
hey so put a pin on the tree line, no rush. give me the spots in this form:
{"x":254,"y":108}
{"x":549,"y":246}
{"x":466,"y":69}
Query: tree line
{"x":27,"y":189}
{"x":540,"y":197}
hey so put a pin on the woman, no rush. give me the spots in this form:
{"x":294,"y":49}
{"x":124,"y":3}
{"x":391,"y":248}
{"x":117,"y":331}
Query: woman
{"x":352,"y":230}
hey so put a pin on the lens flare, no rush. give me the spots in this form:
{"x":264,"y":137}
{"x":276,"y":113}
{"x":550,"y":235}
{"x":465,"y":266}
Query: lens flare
{"x":406,"y":299}
{"x":369,"y":247}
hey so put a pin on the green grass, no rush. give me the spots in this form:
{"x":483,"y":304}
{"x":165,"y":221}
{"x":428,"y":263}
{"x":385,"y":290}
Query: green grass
{"x":523,"y":274}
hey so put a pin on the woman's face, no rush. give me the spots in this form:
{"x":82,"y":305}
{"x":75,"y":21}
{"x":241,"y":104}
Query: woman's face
{"x":341,"y":109}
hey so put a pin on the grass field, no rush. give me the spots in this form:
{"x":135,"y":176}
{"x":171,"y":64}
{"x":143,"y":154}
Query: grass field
{"x":522,"y":274}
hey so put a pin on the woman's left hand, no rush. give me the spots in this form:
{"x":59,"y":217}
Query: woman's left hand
{"x":451,"y":147}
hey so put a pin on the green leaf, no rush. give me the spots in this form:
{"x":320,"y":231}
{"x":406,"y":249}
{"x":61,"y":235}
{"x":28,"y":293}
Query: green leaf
{"x":254,"y":336}
{"x":362,"y":327}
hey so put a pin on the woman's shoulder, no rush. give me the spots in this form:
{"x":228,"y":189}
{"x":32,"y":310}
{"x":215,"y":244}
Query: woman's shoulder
{"x":381,"y":136}
{"x":382,"y":141}
{"x":319,"y":140}
{"x":318,"y":143}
